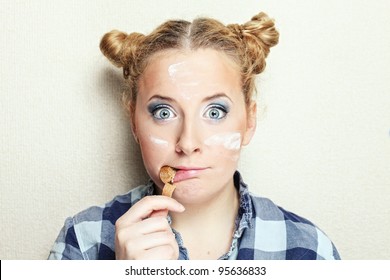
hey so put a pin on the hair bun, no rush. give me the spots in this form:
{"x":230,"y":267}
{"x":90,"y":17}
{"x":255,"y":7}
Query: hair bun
{"x":259,"y":35}
{"x":119,"y":46}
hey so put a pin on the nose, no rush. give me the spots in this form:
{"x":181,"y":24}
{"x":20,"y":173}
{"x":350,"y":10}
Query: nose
{"x":188,"y":138}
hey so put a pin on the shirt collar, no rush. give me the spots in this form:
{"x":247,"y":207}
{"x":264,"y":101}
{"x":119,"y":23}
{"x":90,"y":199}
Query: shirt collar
{"x":245,"y":211}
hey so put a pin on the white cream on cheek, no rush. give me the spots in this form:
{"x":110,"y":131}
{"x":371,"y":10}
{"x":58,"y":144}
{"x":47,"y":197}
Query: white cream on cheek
{"x":230,"y":141}
{"x":158,"y":141}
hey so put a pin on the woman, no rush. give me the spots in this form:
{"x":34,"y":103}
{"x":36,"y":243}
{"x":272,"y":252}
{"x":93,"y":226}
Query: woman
{"x":190,"y":100}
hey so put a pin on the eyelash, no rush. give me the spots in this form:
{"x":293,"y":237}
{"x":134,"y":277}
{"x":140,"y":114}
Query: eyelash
{"x":220,"y":108}
{"x":155,"y":109}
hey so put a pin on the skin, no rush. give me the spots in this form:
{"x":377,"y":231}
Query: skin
{"x":190,"y":114}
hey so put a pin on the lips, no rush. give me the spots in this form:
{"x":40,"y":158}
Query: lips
{"x":186,"y":173}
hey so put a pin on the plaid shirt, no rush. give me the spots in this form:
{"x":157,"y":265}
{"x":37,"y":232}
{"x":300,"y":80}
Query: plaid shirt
{"x":263,"y":231}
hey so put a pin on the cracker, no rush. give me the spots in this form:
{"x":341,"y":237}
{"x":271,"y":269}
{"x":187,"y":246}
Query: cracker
{"x":167,"y":174}
{"x":168,"y":189}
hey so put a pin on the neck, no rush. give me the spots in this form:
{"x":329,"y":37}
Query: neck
{"x":223,"y":205}
{"x":207,"y":228}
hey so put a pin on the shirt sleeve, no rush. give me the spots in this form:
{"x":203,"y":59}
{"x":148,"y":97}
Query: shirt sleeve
{"x":66,"y":246}
{"x":326,"y":249}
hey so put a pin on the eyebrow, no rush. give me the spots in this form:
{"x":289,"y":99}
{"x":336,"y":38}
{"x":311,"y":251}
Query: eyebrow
{"x":208,"y":98}
{"x":216,"y":96}
{"x":158,"y":96}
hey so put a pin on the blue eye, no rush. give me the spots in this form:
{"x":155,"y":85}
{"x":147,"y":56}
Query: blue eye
{"x":215,"y":112}
{"x":162,"y":112}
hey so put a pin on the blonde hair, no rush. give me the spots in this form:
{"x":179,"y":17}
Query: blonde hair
{"x":247,"y":45}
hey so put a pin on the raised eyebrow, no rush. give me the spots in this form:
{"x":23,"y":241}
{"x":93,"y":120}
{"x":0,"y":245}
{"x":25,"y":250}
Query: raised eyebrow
{"x":216,"y":96}
{"x":206,"y":99}
{"x":161,"y":97}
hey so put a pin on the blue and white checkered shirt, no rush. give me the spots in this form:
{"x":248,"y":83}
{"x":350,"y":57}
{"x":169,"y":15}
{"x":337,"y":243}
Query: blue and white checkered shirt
{"x":263,"y":231}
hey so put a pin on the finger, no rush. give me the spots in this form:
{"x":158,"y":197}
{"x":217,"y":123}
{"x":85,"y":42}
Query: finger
{"x":159,"y":213}
{"x":147,"y":226}
{"x":166,"y":252}
{"x":152,"y":240}
{"x":153,"y":224}
{"x":131,"y":242}
{"x":144,"y":208}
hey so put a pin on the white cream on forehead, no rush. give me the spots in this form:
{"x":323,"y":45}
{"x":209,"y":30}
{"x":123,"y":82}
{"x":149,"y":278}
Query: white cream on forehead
{"x":181,"y":76}
{"x":230,"y":141}
{"x":172,"y":69}
{"x":159,"y":141}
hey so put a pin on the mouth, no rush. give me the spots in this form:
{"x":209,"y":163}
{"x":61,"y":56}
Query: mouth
{"x":186,"y":173}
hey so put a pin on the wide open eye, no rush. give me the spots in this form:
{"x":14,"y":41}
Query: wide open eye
{"x":163,"y":112}
{"x":215,"y":112}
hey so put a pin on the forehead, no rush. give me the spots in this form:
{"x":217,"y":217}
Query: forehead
{"x":190,"y":68}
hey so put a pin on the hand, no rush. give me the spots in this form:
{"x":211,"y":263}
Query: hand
{"x":143,"y":232}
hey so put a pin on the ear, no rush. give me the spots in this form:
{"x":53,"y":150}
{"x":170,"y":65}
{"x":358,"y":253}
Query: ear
{"x":251,"y":123}
{"x":133,"y":126}
{"x":134,"y":134}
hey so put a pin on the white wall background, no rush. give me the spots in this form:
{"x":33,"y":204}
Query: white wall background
{"x":322,"y":149}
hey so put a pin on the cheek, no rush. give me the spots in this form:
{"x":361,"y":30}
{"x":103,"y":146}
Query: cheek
{"x":152,"y":145}
{"x":225,"y":145}
{"x":229,"y":141}
{"x":158,"y":142}
{"x":154,"y":152}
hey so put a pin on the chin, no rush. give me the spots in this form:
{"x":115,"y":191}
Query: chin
{"x":189,"y":193}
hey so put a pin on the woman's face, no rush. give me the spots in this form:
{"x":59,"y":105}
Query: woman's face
{"x":191,"y":115}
